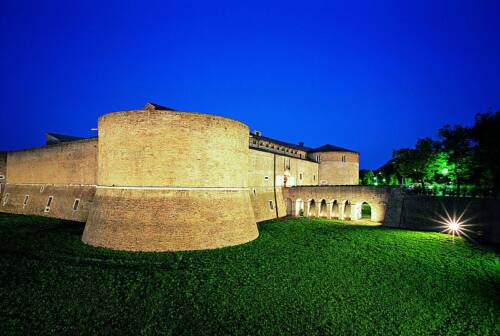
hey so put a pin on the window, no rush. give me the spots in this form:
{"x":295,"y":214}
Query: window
{"x":271,"y":205}
{"x":6,"y":199}
{"x":266,"y":178}
{"x":26,"y":199}
{"x":300,"y":176}
{"x":42,"y":188}
{"x":314,"y":177}
{"x":318,"y":158}
{"x":49,"y":202}
{"x":76,"y":203}
{"x":343,"y":158}
{"x":254,"y":192}
{"x":2,"y":177}
{"x":254,"y":142}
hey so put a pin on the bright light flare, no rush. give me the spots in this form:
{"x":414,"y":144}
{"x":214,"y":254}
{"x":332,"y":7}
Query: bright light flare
{"x":453,"y":224}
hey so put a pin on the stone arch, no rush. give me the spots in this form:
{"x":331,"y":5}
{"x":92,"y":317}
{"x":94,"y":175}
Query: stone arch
{"x":323,"y":209}
{"x":289,"y":207}
{"x":335,"y":213}
{"x":299,"y":207}
{"x":347,"y":210}
{"x":312,"y":211}
{"x":366,"y":211}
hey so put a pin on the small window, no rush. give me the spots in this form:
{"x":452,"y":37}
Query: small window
{"x":49,"y":202}
{"x":254,"y":142}
{"x":300,"y":176}
{"x":76,"y":203}
{"x":2,"y":177}
{"x":254,"y":192}
{"x":266,"y":178}
{"x":6,"y":199}
{"x":271,"y":205}
{"x":314,"y":177}
{"x":42,"y":188}
{"x":26,"y":199}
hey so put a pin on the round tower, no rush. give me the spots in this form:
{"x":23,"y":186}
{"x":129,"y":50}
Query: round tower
{"x":169,"y":181}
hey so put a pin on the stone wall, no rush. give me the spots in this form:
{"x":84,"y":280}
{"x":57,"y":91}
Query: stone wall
{"x":170,"y":180}
{"x":482,"y":215}
{"x":65,"y":172}
{"x":333,"y":170}
{"x":266,"y":175}
{"x":342,"y":202}
{"x":63,"y":163}
{"x":29,"y":199}
{"x":3,"y":171}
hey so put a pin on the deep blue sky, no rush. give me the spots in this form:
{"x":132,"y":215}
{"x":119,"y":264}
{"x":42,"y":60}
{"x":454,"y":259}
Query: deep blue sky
{"x":367,"y":75}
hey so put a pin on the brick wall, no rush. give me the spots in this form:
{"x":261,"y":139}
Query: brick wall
{"x":63,"y":163}
{"x":170,"y":180}
{"x":334,"y":171}
{"x":32,"y":200}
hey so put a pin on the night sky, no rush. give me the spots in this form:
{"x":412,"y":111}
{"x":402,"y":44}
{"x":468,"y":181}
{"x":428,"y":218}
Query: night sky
{"x":371,"y":76}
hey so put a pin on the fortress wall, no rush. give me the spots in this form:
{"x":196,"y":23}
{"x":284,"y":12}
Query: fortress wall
{"x":170,"y":180}
{"x":483,"y":215}
{"x":262,"y":191}
{"x":62,"y":205}
{"x":170,"y":148}
{"x":63,"y":163}
{"x":332,"y":171}
{"x":65,"y":171}
{"x":3,"y":171}
{"x":170,"y":220}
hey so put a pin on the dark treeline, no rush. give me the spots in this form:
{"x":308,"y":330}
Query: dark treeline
{"x":463,"y":161}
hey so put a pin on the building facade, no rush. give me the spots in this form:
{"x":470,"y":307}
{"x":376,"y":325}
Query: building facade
{"x":158,"y":179}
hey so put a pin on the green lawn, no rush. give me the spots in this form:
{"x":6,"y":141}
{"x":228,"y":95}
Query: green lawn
{"x":301,"y":276}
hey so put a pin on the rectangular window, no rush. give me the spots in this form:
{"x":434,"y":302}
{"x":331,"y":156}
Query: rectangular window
{"x":5,"y":199}
{"x":314,"y":177}
{"x":271,"y":205}
{"x":76,"y":203}
{"x":49,"y":202}
{"x":26,"y":199}
{"x":300,"y":176}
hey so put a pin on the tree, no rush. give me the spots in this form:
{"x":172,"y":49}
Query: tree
{"x":486,"y":136}
{"x":417,"y":163}
{"x":457,"y":144}
{"x":366,"y":177}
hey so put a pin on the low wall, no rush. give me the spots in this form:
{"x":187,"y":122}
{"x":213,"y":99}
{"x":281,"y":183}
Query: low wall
{"x":32,"y":199}
{"x":482,"y":215}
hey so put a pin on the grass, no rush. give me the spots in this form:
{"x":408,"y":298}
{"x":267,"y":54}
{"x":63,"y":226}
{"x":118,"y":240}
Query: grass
{"x":301,"y":276}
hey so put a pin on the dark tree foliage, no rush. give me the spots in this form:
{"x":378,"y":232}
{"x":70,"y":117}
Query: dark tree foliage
{"x":486,"y":136}
{"x":462,"y":157}
{"x":456,"y":142}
